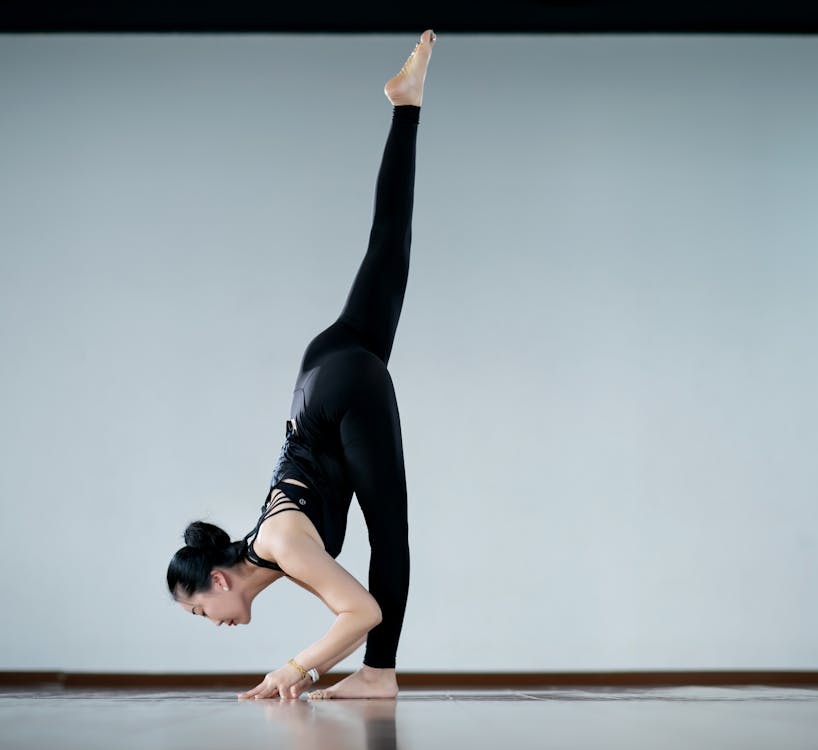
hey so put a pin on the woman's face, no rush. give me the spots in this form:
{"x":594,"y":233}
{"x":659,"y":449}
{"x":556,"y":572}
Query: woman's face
{"x":217,"y":605}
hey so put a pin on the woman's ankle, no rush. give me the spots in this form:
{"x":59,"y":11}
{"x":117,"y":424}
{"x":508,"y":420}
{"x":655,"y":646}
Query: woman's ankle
{"x":378,"y":672}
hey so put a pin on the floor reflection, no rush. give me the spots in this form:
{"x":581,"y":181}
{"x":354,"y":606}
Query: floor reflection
{"x":688,"y":718}
{"x":349,"y":723}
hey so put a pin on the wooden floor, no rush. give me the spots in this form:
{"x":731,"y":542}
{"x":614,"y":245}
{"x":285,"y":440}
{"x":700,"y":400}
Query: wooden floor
{"x":697,"y":718}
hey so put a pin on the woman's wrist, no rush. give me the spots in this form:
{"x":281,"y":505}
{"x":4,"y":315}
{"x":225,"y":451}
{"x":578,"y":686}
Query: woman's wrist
{"x":311,"y":674}
{"x":301,"y":670}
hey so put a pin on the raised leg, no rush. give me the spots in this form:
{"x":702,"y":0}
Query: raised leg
{"x":375,"y":300}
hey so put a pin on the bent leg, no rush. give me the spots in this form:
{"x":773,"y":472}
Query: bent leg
{"x":373,"y":449}
{"x":375,"y":300}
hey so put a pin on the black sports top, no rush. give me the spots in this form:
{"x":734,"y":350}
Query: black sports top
{"x":309,"y":503}
{"x":308,"y":499}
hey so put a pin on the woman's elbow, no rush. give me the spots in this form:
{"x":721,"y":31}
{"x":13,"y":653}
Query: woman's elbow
{"x":374,"y":616}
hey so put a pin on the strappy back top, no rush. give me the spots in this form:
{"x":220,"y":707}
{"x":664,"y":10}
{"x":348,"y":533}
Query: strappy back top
{"x":306,"y":500}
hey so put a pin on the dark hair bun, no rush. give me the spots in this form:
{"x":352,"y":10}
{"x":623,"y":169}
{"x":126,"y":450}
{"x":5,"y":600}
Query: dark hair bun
{"x":208,"y":538}
{"x":207,"y":546}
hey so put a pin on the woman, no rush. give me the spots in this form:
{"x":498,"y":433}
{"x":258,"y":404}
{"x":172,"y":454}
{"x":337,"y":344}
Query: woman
{"x":344,"y":436}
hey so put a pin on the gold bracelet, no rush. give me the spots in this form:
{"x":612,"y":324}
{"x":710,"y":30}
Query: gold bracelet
{"x":299,"y":668}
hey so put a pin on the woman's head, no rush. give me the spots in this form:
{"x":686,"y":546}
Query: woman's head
{"x":205,"y":576}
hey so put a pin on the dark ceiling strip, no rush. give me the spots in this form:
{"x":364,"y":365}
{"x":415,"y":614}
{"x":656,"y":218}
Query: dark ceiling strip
{"x":445,"y":16}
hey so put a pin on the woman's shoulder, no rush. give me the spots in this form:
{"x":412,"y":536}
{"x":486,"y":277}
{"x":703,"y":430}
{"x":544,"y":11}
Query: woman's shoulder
{"x":279,"y":527}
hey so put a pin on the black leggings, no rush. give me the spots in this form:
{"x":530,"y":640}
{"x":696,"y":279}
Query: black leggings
{"x":346,"y":435}
{"x":375,"y":300}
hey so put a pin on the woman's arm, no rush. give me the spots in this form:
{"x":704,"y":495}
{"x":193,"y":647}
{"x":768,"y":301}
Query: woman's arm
{"x":302,"y":558}
{"x":325,"y":667}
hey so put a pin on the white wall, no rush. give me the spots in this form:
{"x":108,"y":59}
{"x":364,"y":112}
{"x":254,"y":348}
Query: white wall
{"x":606,"y":364}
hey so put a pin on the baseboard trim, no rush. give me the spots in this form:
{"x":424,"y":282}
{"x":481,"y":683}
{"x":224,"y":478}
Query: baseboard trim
{"x":425,"y":680}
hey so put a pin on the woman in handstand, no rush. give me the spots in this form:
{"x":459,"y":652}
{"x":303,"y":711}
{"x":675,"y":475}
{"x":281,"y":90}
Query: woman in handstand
{"x":343,"y":437}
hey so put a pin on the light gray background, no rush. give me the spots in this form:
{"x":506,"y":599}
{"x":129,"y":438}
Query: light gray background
{"x":606,"y":364}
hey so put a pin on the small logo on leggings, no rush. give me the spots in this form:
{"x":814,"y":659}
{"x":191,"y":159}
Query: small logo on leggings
{"x":302,"y":501}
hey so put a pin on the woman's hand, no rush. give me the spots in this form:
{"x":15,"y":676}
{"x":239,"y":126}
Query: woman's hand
{"x":286,"y":682}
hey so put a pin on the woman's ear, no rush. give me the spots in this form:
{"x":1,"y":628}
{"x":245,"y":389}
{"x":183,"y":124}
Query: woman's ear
{"x":219,"y":580}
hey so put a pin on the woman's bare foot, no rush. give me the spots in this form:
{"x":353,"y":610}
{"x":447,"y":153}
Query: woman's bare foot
{"x":367,"y":682}
{"x":407,"y":86}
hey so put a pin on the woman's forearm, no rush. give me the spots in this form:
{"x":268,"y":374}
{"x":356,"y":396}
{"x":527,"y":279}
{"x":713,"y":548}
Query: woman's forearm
{"x":325,"y":667}
{"x":346,"y":634}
